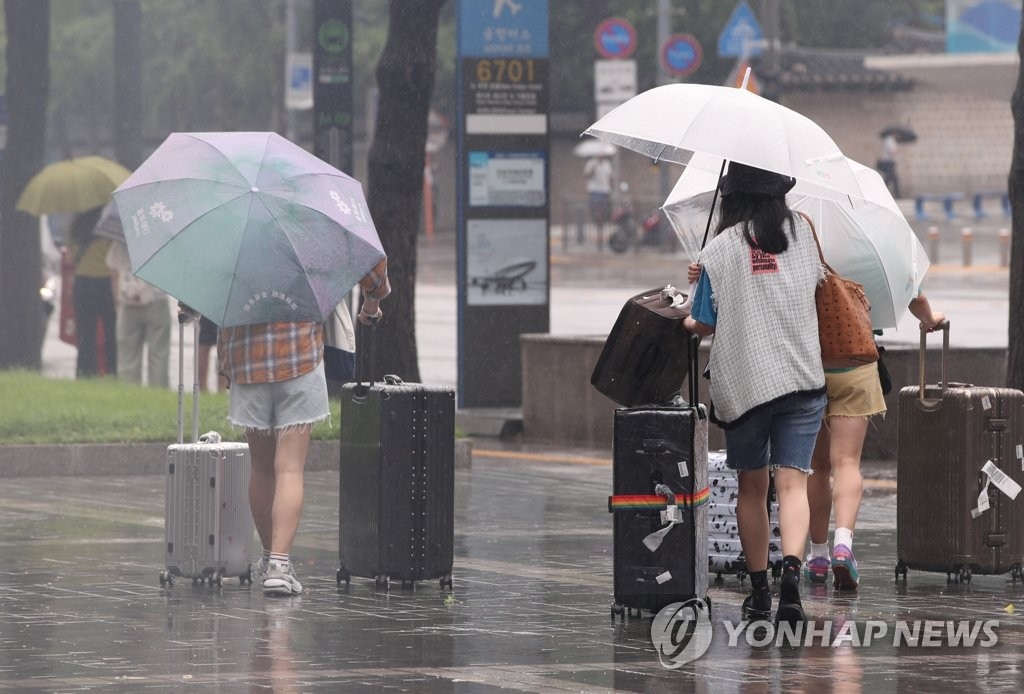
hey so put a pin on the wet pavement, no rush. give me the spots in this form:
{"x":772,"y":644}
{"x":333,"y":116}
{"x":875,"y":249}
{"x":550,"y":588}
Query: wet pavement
{"x":82,"y":609}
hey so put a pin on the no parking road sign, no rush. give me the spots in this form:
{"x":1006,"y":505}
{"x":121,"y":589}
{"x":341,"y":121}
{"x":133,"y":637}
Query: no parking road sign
{"x":615,"y":38}
{"x":681,"y":55}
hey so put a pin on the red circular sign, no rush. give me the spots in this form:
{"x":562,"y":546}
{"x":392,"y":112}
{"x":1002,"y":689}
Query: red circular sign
{"x":615,"y":38}
{"x":681,"y":55}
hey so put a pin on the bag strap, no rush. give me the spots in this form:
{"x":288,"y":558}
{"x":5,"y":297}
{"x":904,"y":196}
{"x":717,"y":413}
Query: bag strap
{"x":814,"y":233}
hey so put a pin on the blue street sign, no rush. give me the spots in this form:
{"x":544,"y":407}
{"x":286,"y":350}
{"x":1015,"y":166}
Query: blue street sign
{"x":615,"y":38}
{"x":503,"y":28}
{"x":742,"y":35}
{"x":681,"y":55}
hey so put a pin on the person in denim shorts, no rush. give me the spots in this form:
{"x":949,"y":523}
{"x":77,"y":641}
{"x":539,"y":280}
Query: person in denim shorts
{"x":755,"y":291}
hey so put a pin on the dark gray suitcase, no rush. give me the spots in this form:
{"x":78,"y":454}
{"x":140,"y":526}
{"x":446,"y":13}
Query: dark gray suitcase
{"x":208,"y":528}
{"x":947,"y":434}
{"x":397,"y":482}
{"x":659,"y":462}
{"x":644,"y":359}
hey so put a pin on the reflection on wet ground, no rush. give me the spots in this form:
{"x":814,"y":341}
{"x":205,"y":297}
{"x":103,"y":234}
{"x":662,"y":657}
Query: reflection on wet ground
{"x":81,"y":608}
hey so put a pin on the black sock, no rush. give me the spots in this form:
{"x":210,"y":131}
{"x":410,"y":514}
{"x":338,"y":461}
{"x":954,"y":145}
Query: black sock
{"x":759,"y":581}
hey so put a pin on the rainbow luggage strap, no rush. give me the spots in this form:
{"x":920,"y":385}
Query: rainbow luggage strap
{"x":656,"y":502}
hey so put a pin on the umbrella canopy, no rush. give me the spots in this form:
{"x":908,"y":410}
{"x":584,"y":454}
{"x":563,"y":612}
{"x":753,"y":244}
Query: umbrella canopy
{"x":866,"y":239}
{"x":903,"y":134}
{"x":247,"y":227}
{"x":674,"y":121}
{"x":594,"y":148}
{"x":72,"y":186}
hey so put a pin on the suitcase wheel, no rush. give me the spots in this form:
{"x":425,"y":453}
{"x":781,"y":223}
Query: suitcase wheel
{"x":446,"y":581}
{"x":343,"y":575}
{"x":620,"y":610}
{"x":246,"y":578}
{"x":382,"y":582}
{"x":166,"y":578}
{"x":901,"y":570}
{"x":1016,"y":573}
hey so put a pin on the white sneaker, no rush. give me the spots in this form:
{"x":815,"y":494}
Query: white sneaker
{"x":258,"y":570}
{"x":280,"y":579}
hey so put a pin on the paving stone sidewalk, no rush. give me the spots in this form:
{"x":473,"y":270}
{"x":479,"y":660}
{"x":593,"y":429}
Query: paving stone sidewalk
{"x":81,"y":608}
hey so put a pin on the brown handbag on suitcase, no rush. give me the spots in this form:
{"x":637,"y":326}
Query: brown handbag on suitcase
{"x":646,"y":356}
{"x":956,"y":468}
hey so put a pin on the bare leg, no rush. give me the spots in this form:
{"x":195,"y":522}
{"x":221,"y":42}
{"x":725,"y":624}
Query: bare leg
{"x":262,"y":482}
{"x":794,"y":514}
{"x":819,"y":487}
{"x":752,"y":517}
{"x":292,"y":446}
{"x":847,"y":434}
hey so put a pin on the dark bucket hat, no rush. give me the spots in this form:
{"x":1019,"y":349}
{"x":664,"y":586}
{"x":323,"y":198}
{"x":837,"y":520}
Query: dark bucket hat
{"x":749,"y":179}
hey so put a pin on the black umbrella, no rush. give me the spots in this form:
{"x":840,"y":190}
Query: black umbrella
{"x":902,"y":133}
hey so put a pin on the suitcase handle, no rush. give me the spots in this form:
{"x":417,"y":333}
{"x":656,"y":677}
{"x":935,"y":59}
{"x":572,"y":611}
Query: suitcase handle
{"x":183,"y":318}
{"x":943,"y":383}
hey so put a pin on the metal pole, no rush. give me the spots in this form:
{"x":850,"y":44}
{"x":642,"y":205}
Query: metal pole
{"x":664,"y":30}
{"x":291,"y":41}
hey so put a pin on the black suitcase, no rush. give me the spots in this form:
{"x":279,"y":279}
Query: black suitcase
{"x":644,"y":359}
{"x":397,"y":482}
{"x":660,"y":457}
{"x":957,"y":464}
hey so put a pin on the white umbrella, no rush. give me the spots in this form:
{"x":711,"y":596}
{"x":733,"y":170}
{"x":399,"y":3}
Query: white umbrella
{"x":674,"y":121}
{"x":866,"y":239}
{"x":594,"y":148}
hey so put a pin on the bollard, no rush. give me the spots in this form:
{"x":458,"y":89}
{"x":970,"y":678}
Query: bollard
{"x":933,"y":244}
{"x":967,"y":236}
{"x":1004,"y":247}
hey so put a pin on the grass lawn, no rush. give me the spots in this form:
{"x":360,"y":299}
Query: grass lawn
{"x":36,"y":409}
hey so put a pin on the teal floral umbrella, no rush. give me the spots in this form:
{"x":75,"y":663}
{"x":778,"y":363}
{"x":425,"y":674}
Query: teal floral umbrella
{"x":246,"y":227}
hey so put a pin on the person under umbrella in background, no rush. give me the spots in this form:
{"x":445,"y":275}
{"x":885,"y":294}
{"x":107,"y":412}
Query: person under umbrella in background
{"x":756,"y":295}
{"x":93,"y":296}
{"x":599,"y":174}
{"x":143,"y":323}
{"x":277,"y":392}
{"x":887,"y":163}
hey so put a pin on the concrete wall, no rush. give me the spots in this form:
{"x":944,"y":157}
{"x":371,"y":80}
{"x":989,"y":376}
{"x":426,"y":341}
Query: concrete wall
{"x":560,"y":405}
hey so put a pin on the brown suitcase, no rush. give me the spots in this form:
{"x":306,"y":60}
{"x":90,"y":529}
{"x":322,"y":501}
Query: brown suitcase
{"x":947,"y":434}
{"x":644,"y":360}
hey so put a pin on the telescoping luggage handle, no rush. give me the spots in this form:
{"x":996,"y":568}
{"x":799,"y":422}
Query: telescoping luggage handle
{"x":183,"y":318}
{"x":943,"y":382}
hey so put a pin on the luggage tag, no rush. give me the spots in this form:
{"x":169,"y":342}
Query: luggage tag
{"x":1020,"y":456}
{"x":670,"y":516}
{"x":1002,"y":481}
{"x":983,"y":504}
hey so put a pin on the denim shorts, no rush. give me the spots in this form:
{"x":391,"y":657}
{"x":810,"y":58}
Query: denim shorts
{"x":781,"y":434}
{"x":270,"y":407}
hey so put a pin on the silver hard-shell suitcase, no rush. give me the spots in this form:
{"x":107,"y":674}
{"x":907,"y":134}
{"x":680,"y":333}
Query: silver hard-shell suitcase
{"x":208,"y":526}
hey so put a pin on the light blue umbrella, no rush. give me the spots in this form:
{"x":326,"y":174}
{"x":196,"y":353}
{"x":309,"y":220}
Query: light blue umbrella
{"x":247,"y":227}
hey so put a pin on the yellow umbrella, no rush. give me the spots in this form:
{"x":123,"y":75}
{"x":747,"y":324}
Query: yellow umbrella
{"x":72,"y":185}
